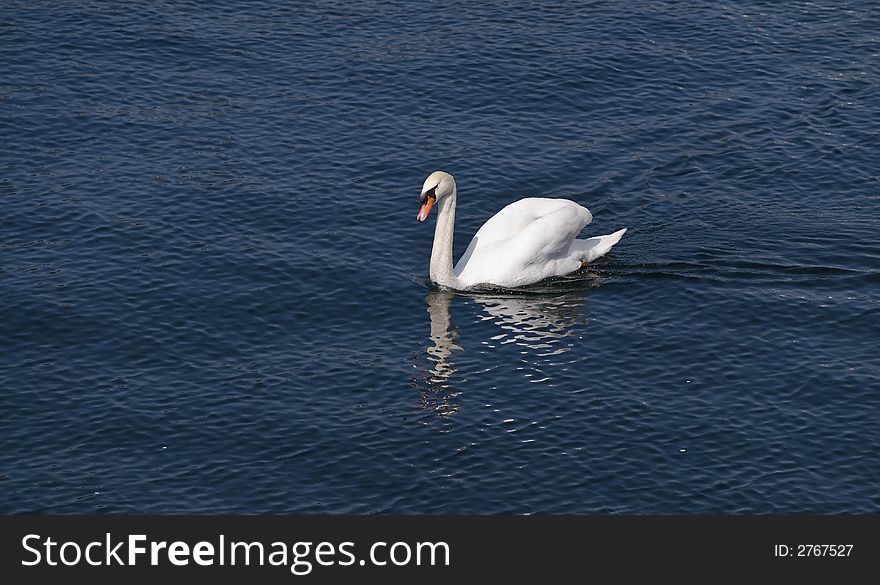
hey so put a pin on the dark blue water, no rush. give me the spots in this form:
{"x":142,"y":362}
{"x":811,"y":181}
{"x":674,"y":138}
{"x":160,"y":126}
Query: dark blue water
{"x":212,"y":291}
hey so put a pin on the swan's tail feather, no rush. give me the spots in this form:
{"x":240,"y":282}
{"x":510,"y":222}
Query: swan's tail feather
{"x":596,"y":247}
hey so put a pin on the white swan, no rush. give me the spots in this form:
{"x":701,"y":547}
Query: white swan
{"x":527,"y":241}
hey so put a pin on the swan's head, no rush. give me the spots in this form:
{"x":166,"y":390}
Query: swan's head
{"x":437,"y":186}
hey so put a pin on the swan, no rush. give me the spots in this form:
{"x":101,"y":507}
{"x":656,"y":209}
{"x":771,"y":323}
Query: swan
{"x":527,"y":241}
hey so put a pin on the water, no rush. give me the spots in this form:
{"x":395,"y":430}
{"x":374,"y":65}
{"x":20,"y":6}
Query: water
{"x":213,"y":284}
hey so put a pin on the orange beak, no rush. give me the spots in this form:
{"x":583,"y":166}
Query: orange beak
{"x":425,"y":209}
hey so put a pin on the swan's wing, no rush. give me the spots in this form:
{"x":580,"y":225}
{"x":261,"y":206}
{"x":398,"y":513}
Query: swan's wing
{"x":517,"y":217}
{"x":527,"y":241}
{"x":549,"y":237}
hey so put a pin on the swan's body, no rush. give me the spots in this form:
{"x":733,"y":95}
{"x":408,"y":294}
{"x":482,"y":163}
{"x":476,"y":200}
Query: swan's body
{"x":527,"y":241}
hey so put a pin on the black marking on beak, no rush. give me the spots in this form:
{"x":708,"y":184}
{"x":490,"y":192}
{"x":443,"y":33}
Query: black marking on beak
{"x":432,"y":192}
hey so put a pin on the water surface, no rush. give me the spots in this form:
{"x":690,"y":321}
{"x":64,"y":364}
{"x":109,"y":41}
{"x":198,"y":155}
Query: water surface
{"x":212,"y":279}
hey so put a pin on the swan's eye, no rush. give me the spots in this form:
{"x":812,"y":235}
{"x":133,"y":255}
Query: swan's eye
{"x":432,"y":192}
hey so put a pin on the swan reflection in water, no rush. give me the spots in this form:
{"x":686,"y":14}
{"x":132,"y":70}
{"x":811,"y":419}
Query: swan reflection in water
{"x":543,"y":326}
{"x":540,"y":324}
{"x":436,"y":394}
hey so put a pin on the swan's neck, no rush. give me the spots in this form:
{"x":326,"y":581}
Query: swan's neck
{"x":441,"y":253}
